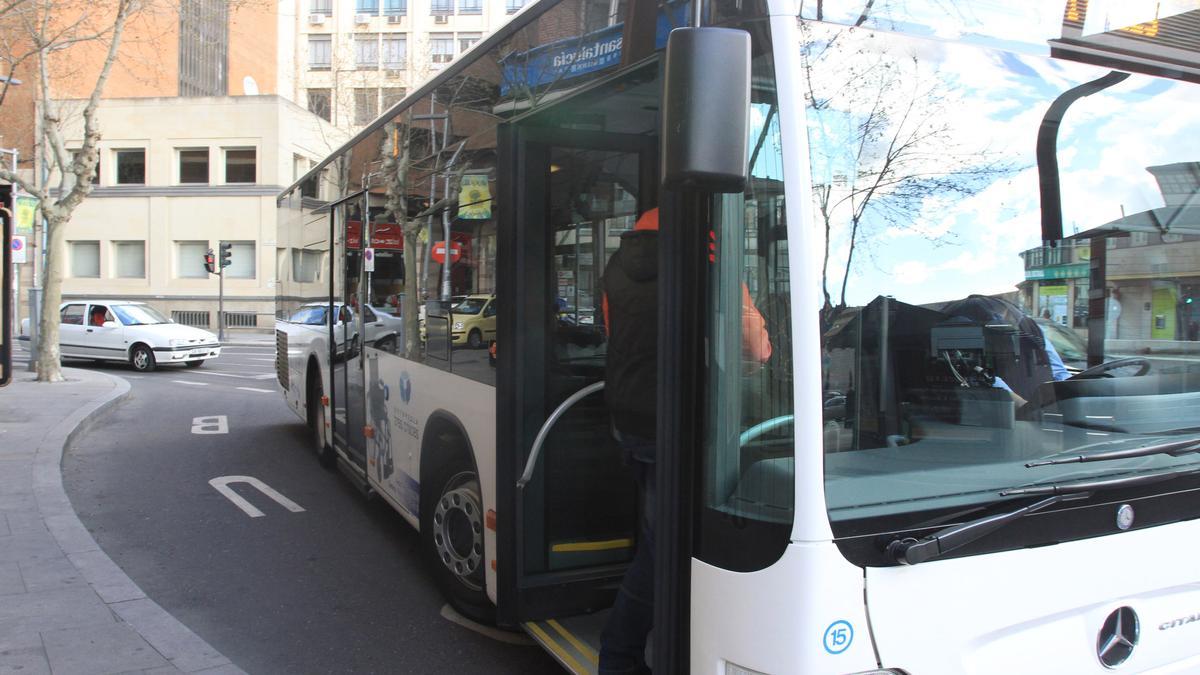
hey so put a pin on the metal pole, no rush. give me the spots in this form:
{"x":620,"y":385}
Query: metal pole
{"x":220,"y":303}
{"x":35,"y":310}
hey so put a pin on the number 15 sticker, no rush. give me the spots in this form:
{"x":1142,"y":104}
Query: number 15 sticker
{"x":838,"y":637}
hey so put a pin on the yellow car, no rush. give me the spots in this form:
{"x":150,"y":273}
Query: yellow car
{"x":474,"y":321}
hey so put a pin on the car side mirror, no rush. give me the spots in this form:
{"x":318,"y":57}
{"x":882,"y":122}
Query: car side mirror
{"x":110,"y":324}
{"x":706,"y":126}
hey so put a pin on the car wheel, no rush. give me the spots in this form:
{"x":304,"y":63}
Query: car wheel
{"x":387,"y":343}
{"x":452,"y":536}
{"x":142,"y":359}
{"x":194,"y":364}
{"x":475,"y":339}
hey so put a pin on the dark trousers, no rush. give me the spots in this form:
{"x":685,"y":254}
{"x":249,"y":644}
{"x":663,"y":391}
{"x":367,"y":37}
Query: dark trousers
{"x":623,"y":642}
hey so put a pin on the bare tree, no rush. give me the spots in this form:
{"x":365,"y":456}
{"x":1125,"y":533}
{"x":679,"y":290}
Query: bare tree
{"x":38,"y":32}
{"x":883,"y":147}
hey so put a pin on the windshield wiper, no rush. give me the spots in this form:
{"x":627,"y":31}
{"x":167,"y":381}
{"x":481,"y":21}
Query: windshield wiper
{"x":910,"y":551}
{"x":1173,"y":448}
{"x":1101,"y":484}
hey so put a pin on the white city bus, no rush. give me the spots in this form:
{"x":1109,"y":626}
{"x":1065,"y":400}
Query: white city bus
{"x":973,"y":233}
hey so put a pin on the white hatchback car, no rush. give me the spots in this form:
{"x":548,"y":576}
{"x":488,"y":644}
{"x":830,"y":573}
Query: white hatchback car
{"x":115,"y":330}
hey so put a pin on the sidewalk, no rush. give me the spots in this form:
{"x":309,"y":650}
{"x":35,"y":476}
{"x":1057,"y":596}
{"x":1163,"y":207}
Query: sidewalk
{"x":249,"y":340}
{"x":65,"y":607}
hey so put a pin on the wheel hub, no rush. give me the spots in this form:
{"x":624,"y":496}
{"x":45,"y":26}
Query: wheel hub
{"x":458,"y":533}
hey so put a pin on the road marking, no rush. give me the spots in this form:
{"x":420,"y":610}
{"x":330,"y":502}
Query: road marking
{"x":262,"y":391}
{"x":266,"y":376}
{"x":215,"y":424}
{"x":194,"y":384}
{"x":221,"y":484}
{"x":270,"y":359}
{"x":496,"y":634}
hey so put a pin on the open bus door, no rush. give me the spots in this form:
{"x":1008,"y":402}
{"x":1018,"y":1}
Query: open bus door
{"x":347,"y":375}
{"x":582,"y":171}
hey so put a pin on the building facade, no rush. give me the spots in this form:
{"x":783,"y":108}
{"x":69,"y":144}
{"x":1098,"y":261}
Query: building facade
{"x":179,"y":176}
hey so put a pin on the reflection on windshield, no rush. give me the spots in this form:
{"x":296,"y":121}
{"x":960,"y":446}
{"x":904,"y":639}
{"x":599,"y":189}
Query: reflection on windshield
{"x":311,"y":315}
{"x":470,"y":306}
{"x":138,"y":315}
{"x":957,"y":344}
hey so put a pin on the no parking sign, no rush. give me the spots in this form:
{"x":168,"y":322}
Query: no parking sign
{"x":18,"y":249}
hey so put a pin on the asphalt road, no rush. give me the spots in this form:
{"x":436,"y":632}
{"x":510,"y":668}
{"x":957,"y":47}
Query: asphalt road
{"x":337,"y":587}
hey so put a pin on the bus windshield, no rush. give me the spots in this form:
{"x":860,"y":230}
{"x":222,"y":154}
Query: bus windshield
{"x":959,"y":344}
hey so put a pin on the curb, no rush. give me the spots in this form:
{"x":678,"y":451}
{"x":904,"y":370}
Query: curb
{"x":174,"y":641}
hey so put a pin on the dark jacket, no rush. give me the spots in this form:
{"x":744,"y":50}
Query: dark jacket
{"x":631,"y":290}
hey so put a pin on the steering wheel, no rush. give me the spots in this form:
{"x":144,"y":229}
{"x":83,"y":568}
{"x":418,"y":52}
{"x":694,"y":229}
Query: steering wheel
{"x":1102,"y":369}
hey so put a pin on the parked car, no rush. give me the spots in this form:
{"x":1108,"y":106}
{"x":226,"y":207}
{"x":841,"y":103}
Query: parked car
{"x":382,"y":329}
{"x":117,"y":330}
{"x":474,"y":321}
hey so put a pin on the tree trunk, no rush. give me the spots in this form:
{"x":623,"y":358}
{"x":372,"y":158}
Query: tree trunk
{"x":49,"y":364}
{"x":410,"y":307}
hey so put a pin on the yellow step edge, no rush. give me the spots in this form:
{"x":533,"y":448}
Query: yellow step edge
{"x":581,"y":546}
{"x":561,"y":654}
{"x":578,"y":644}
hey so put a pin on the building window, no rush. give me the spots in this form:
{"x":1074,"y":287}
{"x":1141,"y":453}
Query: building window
{"x":395,"y":7}
{"x":395,"y":52}
{"x":75,"y":158}
{"x":466,"y":40}
{"x":319,"y":103}
{"x":320,"y":52}
{"x":241,"y":260}
{"x":441,"y":7}
{"x":366,"y":105}
{"x":366,"y":52}
{"x":470,"y":6}
{"x":204,"y":48}
{"x":241,"y":165}
{"x":441,"y":48}
{"x":393,"y":95}
{"x":193,"y":166}
{"x":130,"y":259}
{"x":366,"y":6}
{"x":189,"y":261}
{"x":321,"y":7}
{"x":85,"y":259}
{"x":513,"y":6}
{"x":131,"y":167}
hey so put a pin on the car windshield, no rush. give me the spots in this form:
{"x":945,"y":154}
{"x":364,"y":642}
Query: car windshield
{"x":312,"y":315}
{"x":138,"y":315}
{"x":956,"y":313}
{"x":470,"y":306}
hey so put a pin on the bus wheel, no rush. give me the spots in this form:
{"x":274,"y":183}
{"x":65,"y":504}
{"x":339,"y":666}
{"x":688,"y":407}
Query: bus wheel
{"x":452,"y":536}
{"x":316,"y":426}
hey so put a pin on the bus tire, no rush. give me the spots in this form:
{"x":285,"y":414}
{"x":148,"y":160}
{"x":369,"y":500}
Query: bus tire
{"x":316,"y":424}
{"x":452,"y":534}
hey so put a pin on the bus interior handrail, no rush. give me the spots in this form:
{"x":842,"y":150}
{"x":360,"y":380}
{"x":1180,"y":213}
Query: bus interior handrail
{"x":561,"y":410}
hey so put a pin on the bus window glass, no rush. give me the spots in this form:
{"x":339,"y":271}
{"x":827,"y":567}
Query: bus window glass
{"x":962,"y":340}
{"x":749,"y":462}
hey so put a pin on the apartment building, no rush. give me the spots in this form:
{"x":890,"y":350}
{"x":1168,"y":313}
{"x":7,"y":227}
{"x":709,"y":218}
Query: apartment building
{"x":355,"y":58}
{"x":178,"y":177}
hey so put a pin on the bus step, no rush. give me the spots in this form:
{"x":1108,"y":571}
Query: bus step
{"x":590,"y":552}
{"x":357,"y":478}
{"x":573,"y":641}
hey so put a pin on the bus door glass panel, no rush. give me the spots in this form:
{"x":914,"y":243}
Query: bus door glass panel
{"x":71,"y":330}
{"x":348,"y":332}
{"x":589,"y":502}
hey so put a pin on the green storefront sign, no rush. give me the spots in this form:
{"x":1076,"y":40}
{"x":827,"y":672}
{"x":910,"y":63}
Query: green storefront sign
{"x":1073,"y":271}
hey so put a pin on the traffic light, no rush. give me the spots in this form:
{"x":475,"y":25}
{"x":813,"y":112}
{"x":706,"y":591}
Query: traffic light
{"x":210,"y":261}
{"x":226,"y":253}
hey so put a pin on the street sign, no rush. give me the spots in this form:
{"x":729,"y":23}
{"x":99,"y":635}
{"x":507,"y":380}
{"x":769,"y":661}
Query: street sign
{"x":439,"y":251}
{"x":368,"y":260}
{"x":19,"y":248}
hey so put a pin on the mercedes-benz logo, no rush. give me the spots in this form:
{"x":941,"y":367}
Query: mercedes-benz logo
{"x":1118,"y":637}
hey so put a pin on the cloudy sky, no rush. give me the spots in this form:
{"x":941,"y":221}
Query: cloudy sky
{"x":994,"y":97}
